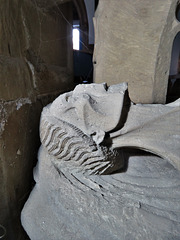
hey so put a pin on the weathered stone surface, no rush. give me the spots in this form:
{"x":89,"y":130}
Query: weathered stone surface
{"x":36,"y":65}
{"x":153,"y":128}
{"x":88,"y":183}
{"x":15,"y":80}
{"x":133,"y":43}
{"x":35,"y":55}
{"x":142,"y":203}
{"x":90,"y":108}
{"x":16,"y":161}
{"x":49,"y":4}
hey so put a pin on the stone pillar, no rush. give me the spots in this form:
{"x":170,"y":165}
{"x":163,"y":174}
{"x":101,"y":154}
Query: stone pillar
{"x":35,"y":66}
{"x":133,"y":43}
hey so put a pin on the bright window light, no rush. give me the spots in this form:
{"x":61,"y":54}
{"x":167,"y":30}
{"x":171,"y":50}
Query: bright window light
{"x":76,"y":39}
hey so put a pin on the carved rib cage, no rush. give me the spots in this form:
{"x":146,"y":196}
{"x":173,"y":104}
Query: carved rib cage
{"x":66,"y":142}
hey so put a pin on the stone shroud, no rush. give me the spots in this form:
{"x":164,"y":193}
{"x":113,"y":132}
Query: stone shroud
{"x":133,"y":43}
{"x":140,"y":201}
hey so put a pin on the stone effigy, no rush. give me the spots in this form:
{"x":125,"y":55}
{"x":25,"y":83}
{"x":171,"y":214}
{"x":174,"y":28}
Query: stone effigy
{"x":91,"y":183}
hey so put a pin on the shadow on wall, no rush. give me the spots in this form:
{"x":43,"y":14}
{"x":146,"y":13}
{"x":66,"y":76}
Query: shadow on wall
{"x":173,"y":91}
{"x":2,"y":232}
{"x":83,"y":67}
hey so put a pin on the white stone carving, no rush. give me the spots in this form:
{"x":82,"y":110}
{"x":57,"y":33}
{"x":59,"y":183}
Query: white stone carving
{"x":88,"y":174}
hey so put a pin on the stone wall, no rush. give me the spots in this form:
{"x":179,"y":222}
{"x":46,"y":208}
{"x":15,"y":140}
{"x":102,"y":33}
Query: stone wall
{"x":133,"y":43}
{"x":35,"y":66}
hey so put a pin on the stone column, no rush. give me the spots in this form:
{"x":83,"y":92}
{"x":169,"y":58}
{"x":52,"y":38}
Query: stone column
{"x":133,"y":43}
